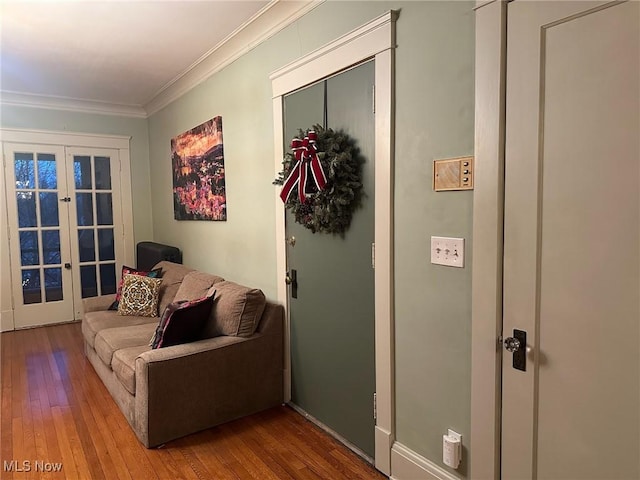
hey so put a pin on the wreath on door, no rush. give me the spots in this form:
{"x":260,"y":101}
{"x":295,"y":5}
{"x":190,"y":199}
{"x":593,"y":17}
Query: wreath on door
{"x":321,"y":179}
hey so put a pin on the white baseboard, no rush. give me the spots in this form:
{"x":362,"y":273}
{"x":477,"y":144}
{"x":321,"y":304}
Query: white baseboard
{"x":6,"y":321}
{"x":408,"y":465}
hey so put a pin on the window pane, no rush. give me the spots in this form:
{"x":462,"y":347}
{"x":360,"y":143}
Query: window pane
{"x":53,"y":284}
{"x":29,"y":248}
{"x":82,"y":172}
{"x":25,"y":170}
{"x":86,"y":245}
{"x":84,"y":207}
{"x":89,"y":285}
{"x":26,"y":209}
{"x":51,"y":247}
{"x":103,"y":173}
{"x":49,"y":209}
{"x":108,"y":278}
{"x":47,"y":175}
{"x":105,"y":244}
{"x":31,"y":286}
{"x":105,"y":211}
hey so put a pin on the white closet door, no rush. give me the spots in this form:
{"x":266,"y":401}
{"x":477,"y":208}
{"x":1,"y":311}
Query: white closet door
{"x":571,"y":387}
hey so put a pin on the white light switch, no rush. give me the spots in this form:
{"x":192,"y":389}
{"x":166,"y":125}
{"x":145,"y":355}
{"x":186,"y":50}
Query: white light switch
{"x":447,"y":251}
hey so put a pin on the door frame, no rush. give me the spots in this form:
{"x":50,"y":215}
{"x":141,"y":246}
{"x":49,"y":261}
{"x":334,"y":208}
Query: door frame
{"x":374,"y":40}
{"x":64,"y":139}
{"x":488,"y":226}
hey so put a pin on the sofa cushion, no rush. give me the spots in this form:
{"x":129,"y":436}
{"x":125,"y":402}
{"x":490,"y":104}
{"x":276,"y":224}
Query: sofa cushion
{"x":132,"y":271}
{"x":139,"y":296}
{"x":196,"y":285}
{"x":182,"y":322}
{"x":94,"y":322}
{"x":236,"y":310}
{"x":110,"y":340}
{"x":172,"y":275}
{"x":123,"y":365}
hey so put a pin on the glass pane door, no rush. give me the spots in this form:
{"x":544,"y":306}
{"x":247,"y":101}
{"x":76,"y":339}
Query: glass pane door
{"x":39,"y":234}
{"x":98,"y":237}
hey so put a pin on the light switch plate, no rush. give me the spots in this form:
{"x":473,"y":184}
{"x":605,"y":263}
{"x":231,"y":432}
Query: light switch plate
{"x":447,"y":251}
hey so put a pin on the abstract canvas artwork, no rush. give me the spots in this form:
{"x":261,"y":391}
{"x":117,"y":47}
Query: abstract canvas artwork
{"x":197,"y":157}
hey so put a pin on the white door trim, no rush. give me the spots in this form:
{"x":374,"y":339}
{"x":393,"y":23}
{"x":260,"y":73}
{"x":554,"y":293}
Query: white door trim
{"x":375,"y":40}
{"x":66,"y":139}
{"x":488,"y":205}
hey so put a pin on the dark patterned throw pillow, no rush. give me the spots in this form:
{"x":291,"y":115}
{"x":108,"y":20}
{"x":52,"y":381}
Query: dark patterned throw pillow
{"x":182,"y":322}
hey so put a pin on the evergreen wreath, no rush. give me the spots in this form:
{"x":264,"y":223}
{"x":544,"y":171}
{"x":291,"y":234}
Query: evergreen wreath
{"x":328,"y":210}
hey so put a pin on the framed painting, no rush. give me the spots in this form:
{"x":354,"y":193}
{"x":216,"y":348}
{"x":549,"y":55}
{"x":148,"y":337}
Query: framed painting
{"x":197,"y":157}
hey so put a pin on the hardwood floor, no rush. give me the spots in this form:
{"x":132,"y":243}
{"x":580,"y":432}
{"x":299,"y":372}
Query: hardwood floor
{"x":55,"y":411}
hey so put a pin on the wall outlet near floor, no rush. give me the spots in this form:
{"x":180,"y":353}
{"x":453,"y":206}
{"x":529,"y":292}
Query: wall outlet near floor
{"x":452,"y":449}
{"x":447,"y":251}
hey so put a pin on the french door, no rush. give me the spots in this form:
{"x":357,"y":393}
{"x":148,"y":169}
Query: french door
{"x":65,"y":228}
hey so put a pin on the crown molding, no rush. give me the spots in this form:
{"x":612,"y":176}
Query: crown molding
{"x":267,"y":22}
{"x":70,"y":104}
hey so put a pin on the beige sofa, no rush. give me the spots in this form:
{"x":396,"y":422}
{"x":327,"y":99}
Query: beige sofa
{"x":166,"y":393}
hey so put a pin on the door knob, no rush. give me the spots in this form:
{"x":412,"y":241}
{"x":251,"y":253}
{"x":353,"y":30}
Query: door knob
{"x":512,"y":344}
{"x":291,"y":241}
{"x":67,"y":266}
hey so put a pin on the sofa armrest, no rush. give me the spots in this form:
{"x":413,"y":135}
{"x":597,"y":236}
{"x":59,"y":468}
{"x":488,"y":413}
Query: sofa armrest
{"x":93,"y":304}
{"x":187,"y":388}
{"x":175,"y":352}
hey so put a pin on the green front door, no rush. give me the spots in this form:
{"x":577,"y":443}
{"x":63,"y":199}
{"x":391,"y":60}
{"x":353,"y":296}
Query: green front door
{"x":332,"y":318}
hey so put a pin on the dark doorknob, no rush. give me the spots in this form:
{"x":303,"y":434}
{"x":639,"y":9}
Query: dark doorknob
{"x":67,"y":266}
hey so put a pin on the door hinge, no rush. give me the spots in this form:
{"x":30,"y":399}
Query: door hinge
{"x":373,"y":255}
{"x":373,"y":101}
{"x":375,"y":406}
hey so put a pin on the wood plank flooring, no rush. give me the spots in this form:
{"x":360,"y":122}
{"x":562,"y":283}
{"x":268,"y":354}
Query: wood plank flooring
{"x":58,"y":421}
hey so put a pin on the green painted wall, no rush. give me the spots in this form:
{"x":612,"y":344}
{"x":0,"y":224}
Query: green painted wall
{"x":434,"y":119}
{"x":56,"y":120}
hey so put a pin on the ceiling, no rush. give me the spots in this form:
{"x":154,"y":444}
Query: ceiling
{"x":125,"y":56}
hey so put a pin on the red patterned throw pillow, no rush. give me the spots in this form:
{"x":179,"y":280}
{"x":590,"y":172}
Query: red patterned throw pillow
{"x":157,"y":273}
{"x":182,"y":322}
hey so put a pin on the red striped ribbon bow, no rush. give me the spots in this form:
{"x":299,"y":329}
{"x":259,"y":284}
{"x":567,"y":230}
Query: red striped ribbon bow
{"x":306,"y":154}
